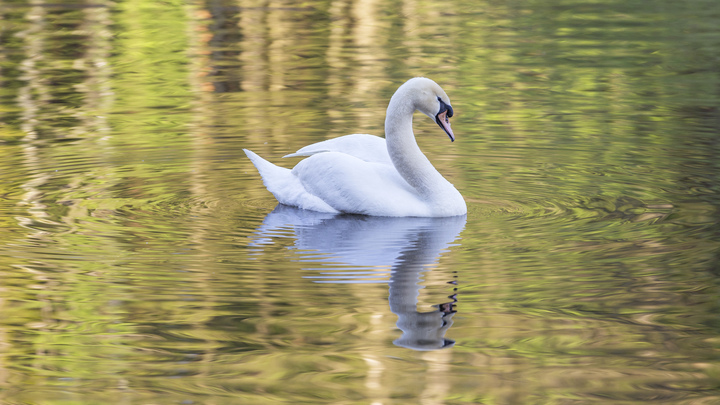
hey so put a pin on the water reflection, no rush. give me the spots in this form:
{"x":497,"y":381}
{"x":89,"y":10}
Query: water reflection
{"x":589,"y":128}
{"x":360,"y":249}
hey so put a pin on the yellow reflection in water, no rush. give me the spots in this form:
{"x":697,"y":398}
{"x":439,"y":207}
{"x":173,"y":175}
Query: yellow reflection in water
{"x":585,"y":148}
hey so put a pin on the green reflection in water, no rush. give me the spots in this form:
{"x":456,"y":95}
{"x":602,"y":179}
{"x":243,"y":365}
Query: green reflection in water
{"x":587,"y":149}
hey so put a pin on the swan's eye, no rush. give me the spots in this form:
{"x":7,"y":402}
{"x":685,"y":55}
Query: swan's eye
{"x":445,"y":107}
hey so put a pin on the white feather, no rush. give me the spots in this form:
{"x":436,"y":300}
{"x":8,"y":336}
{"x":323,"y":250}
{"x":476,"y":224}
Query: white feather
{"x":365,"y":174}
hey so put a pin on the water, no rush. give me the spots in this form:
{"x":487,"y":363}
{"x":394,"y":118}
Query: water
{"x":142,"y":260}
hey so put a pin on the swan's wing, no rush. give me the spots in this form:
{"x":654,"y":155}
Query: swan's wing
{"x":365,"y":147}
{"x":352,"y":185}
{"x":286,"y":186}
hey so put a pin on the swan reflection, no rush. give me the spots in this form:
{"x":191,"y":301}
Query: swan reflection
{"x":363,"y":249}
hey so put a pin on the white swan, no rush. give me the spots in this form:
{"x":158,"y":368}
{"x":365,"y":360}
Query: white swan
{"x":365,"y":174}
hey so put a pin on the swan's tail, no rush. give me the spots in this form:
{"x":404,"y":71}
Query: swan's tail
{"x":285,"y":186}
{"x":273,"y":176}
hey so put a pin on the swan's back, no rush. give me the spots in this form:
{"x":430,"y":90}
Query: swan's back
{"x":369,"y":148}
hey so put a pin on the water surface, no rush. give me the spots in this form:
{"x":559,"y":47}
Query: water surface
{"x":143,"y":261}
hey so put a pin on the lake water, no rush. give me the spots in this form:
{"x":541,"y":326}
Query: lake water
{"x":143,"y":262}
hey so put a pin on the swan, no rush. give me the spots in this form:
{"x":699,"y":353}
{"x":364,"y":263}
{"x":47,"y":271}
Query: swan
{"x":369,"y":175}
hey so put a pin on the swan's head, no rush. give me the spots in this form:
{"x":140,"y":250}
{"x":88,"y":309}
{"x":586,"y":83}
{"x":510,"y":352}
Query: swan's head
{"x":431,"y":100}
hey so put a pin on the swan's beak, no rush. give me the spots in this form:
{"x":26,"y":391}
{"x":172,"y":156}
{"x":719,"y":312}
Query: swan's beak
{"x":443,"y":119}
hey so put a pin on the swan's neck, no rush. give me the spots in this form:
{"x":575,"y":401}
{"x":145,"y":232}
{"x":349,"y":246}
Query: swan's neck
{"x":404,"y":152}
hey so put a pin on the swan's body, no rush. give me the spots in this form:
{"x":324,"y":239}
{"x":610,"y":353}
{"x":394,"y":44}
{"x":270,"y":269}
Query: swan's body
{"x":365,"y":174}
